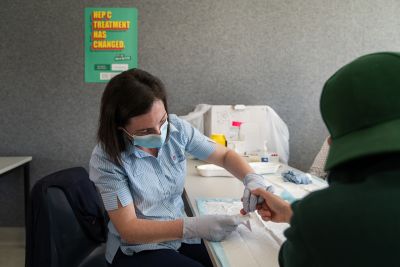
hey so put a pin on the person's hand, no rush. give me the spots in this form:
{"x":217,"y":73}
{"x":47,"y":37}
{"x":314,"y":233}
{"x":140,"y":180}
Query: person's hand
{"x":273,"y":208}
{"x":209,"y":227}
{"x":253,"y":181}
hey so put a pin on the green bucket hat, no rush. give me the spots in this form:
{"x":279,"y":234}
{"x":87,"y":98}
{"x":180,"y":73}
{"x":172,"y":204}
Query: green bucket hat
{"x":360,"y":105}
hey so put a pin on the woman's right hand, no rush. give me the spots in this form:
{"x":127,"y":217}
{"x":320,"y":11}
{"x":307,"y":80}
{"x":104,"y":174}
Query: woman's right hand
{"x":273,"y":208}
{"x":209,"y":227}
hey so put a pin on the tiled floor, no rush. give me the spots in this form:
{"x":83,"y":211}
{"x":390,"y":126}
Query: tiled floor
{"x":12,"y":246}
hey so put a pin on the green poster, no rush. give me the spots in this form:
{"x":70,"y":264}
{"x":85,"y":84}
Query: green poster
{"x":110,"y":42}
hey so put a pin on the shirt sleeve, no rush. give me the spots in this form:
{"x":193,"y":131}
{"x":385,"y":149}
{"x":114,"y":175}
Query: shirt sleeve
{"x":197,"y":144}
{"x":294,"y":252}
{"x":110,"y":180}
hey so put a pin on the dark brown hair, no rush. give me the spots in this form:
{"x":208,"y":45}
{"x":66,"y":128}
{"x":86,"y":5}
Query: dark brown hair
{"x":129,"y":94}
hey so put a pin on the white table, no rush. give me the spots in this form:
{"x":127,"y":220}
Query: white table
{"x":10,"y":164}
{"x":213,"y":187}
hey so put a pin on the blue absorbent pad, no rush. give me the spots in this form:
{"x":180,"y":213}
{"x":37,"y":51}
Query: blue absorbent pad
{"x":217,"y":247}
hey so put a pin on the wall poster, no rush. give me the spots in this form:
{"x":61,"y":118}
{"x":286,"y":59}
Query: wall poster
{"x":110,"y":42}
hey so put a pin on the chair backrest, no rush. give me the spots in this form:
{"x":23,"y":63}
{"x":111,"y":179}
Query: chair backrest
{"x":317,"y":168}
{"x":66,"y":223}
{"x":69,"y":244}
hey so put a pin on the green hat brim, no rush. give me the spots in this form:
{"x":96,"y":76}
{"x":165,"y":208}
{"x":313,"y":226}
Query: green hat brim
{"x":377,"y":139}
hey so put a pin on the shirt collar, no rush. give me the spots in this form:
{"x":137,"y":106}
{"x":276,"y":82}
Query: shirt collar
{"x":172,"y":128}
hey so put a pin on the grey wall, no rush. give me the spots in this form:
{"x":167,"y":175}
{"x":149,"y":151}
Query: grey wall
{"x":271,"y":52}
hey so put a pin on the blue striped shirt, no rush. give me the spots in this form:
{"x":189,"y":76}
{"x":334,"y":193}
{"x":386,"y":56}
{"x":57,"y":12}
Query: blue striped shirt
{"x":153,"y":184}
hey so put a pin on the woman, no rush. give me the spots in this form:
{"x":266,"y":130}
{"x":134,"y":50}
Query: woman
{"x":139,"y":167}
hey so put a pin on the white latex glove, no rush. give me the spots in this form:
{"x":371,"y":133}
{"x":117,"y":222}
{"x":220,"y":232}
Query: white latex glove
{"x":253,"y":181}
{"x":209,"y":227}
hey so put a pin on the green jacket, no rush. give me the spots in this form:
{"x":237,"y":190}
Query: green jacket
{"x":348,"y":223}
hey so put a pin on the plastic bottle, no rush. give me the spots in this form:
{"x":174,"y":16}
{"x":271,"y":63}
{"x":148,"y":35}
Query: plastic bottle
{"x":264,"y":154}
{"x":234,"y":141}
{"x":234,"y":131}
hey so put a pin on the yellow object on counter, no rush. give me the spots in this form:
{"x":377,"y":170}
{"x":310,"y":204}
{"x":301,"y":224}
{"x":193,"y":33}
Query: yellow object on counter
{"x":219,"y":138}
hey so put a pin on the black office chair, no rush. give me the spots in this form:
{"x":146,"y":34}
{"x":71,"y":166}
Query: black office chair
{"x":70,"y":245}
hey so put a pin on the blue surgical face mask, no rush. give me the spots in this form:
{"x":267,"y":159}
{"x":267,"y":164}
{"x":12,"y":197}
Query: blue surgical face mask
{"x":151,"y":140}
